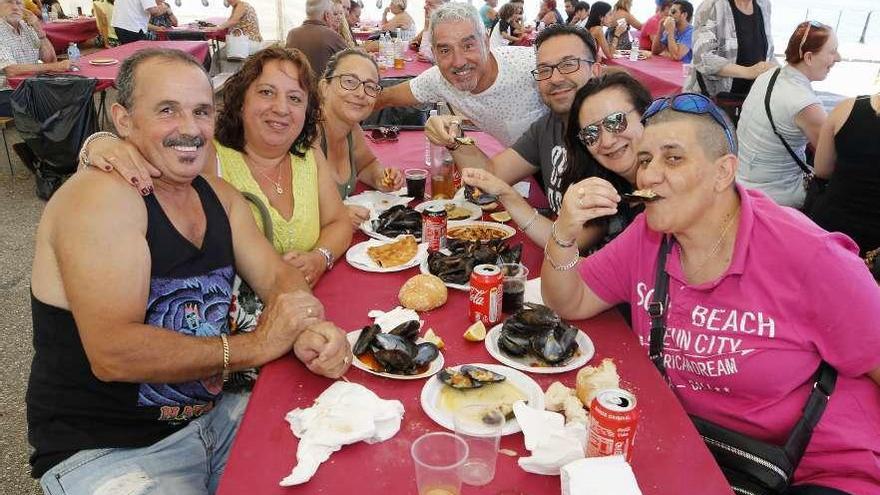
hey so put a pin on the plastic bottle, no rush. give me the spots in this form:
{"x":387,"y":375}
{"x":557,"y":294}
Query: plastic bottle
{"x":45,"y":13}
{"x":428,"y":145}
{"x":389,"y":50}
{"x":634,"y":49}
{"x":73,"y":55}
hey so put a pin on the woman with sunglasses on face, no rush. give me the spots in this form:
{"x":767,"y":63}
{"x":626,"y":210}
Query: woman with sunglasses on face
{"x":765,"y":163}
{"x":349,"y":89}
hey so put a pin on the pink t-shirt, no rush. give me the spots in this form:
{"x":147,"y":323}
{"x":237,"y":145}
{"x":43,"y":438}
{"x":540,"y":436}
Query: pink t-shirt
{"x":741,"y":351}
{"x":651,"y":26}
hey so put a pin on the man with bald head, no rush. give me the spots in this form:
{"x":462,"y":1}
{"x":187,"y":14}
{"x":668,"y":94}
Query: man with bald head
{"x":317,"y":37}
{"x":131,"y":300}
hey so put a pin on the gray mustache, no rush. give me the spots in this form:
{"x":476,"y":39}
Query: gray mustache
{"x":196,"y":141}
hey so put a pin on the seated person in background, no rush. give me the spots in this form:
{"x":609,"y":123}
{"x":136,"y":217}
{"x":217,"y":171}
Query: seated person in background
{"x":243,"y":17}
{"x":131,"y":17}
{"x":349,"y":88}
{"x":354,"y":15}
{"x":847,"y":154}
{"x":548,"y":14}
{"x":341,"y":8}
{"x":34,"y":6}
{"x":23,"y":44}
{"x":55,"y":8}
{"x":162,"y":21}
{"x":621,"y":14}
{"x":651,"y":27}
{"x":494,"y":88}
{"x":421,"y":41}
{"x":131,"y":299}
{"x":581,"y":14}
{"x":787,"y":295}
{"x":503,"y":32}
{"x":317,"y":37}
{"x":400,"y":20}
{"x":601,"y":17}
{"x":675,"y":40}
{"x":765,"y":163}
{"x":488,"y":13}
{"x":103,"y":12}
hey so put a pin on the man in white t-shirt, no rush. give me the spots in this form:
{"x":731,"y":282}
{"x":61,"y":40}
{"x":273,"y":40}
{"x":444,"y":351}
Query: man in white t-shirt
{"x":494,"y":89}
{"x":130,"y":18}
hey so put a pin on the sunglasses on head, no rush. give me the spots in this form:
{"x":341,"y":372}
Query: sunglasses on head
{"x":692,"y":103}
{"x":615,"y":123}
{"x":384,"y":134}
{"x":810,"y":24}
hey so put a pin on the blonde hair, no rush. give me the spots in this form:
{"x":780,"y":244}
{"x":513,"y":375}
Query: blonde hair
{"x":399,"y":3}
{"x":624,"y":5}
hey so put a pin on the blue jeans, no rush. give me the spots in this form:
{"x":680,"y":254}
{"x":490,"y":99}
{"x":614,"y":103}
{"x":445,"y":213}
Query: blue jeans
{"x":189,"y":461}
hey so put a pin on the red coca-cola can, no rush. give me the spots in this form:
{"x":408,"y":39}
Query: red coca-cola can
{"x":486,"y":292}
{"x":613,"y":420}
{"x":456,"y":177}
{"x":434,"y":227}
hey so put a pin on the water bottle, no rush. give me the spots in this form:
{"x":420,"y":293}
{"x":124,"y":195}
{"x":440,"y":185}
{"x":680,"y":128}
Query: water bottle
{"x":634,"y":49}
{"x":73,"y":56}
{"x":428,"y":144}
{"x":389,"y":50}
{"x":45,"y":13}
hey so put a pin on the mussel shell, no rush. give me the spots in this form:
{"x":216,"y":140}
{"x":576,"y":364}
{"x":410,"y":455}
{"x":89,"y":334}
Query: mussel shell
{"x":394,"y":360}
{"x":557,"y":345}
{"x":362,"y":345}
{"x":425,"y":353}
{"x":537,"y":315}
{"x":482,"y":374}
{"x":512,"y":254}
{"x":388,"y":342}
{"x":513,"y":344}
{"x":408,"y":330}
{"x":483,"y":199}
{"x":457,"y":379}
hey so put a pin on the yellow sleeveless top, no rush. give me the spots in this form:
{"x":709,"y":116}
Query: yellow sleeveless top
{"x":301,"y":232}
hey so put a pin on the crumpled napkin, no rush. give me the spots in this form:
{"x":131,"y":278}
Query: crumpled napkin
{"x":376,"y":201}
{"x":599,"y":476}
{"x":345,"y":413}
{"x":387,"y":320}
{"x":532,"y":293}
{"x":552,"y":443}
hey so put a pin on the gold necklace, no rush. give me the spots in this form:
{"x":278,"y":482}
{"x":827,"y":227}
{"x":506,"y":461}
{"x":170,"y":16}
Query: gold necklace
{"x":277,"y":183}
{"x":715,"y":248}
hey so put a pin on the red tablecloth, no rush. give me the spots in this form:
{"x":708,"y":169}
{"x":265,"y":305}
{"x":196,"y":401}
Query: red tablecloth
{"x":413,"y":67}
{"x":661,"y":75}
{"x":106,"y":74}
{"x":193,"y":27}
{"x":669,"y":457}
{"x":64,"y":31}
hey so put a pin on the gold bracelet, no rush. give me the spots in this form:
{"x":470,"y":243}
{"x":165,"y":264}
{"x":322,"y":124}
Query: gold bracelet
{"x":225,"y":342}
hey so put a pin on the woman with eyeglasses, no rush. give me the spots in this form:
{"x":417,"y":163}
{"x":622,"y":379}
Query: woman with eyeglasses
{"x":348,"y":89}
{"x":747,"y":299}
{"x":766,"y":163}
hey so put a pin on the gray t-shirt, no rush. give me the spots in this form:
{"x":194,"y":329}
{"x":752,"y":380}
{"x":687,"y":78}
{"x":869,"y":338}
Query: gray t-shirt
{"x":543,"y":146}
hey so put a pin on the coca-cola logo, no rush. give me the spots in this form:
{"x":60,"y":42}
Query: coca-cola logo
{"x":478,"y":296}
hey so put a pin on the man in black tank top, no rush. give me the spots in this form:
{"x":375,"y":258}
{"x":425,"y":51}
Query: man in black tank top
{"x":130,"y":301}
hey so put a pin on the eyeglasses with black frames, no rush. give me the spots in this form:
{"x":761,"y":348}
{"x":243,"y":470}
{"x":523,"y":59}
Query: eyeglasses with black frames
{"x":351,"y":82}
{"x":567,"y":66}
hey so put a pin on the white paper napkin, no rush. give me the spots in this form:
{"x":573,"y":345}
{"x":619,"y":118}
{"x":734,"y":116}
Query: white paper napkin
{"x":599,"y":476}
{"x":343,"y":414}
{"x":522,"y":188}
{"x":387,"y":320}
{"x":376,"y":201}
{"x":552,"y":443}
{"x":532,"y":293}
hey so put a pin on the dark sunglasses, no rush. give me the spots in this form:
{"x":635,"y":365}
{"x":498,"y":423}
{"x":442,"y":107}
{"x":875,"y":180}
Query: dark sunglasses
{"x":384,"y":134}
{"x":810,"y":24}
{"x":350,"y":82}
{"x":696,"y":104}
{"x":615,"y":123}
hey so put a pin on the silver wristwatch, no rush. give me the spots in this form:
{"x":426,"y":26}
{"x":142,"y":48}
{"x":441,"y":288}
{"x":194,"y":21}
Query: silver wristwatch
{"x":328,"y":256}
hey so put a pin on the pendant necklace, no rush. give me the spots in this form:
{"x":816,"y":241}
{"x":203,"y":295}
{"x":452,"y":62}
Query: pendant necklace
{"x":277,"y":183}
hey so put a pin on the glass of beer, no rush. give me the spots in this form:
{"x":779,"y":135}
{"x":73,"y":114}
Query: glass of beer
{"x":438,"y":458}
{"x":514,"y":283}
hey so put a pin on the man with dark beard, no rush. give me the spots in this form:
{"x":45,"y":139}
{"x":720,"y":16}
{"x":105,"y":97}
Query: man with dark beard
{"x":565,"y":62}
{"x":131,"y":297}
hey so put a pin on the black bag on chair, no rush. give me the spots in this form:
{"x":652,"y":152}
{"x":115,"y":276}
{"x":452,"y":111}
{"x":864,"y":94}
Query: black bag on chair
{"x":400,"y":117}
{"x":731,"y":103}
{"x":54,"y":114}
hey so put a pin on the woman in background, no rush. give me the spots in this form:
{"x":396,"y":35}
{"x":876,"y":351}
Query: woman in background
{"x":400,"y":20}
{"x":600,"y":17}
{"x":622,"y":11}
{"x":243,"y":17}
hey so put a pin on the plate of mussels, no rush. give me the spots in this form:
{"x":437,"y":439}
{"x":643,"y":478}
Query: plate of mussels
{"x":455,"y":263}
{"x":536,"y":340}
{"x":395,"y":221}
{"x":495,"y":386}
{"x":399,"y":354}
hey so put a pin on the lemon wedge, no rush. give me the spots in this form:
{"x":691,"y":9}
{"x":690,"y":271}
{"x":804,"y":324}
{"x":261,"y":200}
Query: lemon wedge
{"x":500,"y":216}
{"x":476,"y":332}
{"x":433,"y":338}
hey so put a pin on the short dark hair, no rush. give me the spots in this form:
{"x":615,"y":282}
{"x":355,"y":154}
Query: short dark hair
{"x":582,"y":6}
{"x":125,"y":79}
{"x":686,"y":7}
{"x":567,"y":29}
{"x":230,"y":125}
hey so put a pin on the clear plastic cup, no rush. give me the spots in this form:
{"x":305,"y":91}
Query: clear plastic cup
{"x":438,"y":458}
{"x":415,"y":182}
{"x":480,"y":426}
{"x":514,"y":287}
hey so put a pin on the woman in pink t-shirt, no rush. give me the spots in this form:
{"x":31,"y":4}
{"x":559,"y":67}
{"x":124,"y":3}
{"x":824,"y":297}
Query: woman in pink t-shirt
{"x":758,"y":297}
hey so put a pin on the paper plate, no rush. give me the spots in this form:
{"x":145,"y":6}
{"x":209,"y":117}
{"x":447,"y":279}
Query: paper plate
{"x":431,"y":396}
{"x":423,"y":267}
{"x":475,"y":212}
{"x":436,"y":364}
{"x":103,"y":61}
{"x":525,"y":363}
{"x":358,"y":258}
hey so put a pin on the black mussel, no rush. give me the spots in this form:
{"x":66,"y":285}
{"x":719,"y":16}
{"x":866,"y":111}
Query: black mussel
{"x":362,"y":345}
{"x":386,"y":341}
{"x":482,"y":374}
{"x":395,"y":360}
{"x":408,"y":330}
{"x":537,"y":315}
{"x":514,"y":345}
{"x":556,"y":345}
{"x":476,"y":196}
{"x":484,"y":254}
{"x":457,"y":246}
{"x":457,"y":379}
{"x":425,"y":353}
{"x":511,"y":254}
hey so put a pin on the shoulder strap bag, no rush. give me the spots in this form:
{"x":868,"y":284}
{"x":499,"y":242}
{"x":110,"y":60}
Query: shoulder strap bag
{"x":752,"y":467}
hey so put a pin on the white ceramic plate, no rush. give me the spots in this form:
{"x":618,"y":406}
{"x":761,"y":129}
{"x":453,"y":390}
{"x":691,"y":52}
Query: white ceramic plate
{"x":436,"y":364}
{"x":508,"y":230}
{"x":430,"y":397}
{"x":423,"y":267}
{"x":357,"y":257}
{"x":524,"y":363}
{"x":475,"y":212}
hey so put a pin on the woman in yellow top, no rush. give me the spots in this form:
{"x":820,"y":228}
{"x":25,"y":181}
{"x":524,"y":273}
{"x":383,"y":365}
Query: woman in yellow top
{"x":243,"y":17}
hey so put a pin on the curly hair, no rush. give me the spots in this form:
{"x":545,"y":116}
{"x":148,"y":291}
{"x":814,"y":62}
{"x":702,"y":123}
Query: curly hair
{"x":230,"y":125}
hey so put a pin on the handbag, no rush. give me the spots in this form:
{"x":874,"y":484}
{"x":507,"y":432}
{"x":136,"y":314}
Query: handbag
{"x":751,"y":466}
{"x":731,"y":103}
{"x":814,"y":186}
{"x":238,"y":46}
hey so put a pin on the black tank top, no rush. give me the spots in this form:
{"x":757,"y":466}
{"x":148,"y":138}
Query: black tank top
{"x":751,"y":43}
{"x":69,"y":409}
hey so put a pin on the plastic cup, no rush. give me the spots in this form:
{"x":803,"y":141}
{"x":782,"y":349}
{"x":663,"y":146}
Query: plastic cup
{"x":480,"y":426}
{"x":438,"y":458}
{"x":415,"y":182}
{"x":514,"y":286}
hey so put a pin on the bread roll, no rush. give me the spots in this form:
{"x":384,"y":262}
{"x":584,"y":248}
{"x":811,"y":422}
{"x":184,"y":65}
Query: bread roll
{"x":574,"y":411}
{"x":423,"y":293}
{"x":555,"y":396}
{"x":591,"y":380}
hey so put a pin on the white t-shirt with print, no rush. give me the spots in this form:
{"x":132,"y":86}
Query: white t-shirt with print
{"x":132,"y":15}
{"x":505,"y":109}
